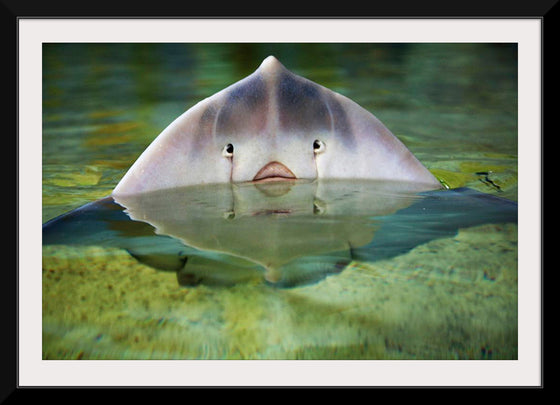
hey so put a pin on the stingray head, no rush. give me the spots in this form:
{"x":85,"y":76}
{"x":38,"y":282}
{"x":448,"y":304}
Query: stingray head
{"x":272,"y":126}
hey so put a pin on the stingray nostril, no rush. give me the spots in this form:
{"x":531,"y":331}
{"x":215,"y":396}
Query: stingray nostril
{"x":228,"y":150}
{"x":318,"y":146}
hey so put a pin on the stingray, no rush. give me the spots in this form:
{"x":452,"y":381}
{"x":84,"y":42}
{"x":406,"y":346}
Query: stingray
{"x":274,"y":178}
{"x":273,"y":125}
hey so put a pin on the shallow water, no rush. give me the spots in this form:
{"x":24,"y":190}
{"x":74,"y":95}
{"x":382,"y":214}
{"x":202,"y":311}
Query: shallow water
{"x":450,"y":297}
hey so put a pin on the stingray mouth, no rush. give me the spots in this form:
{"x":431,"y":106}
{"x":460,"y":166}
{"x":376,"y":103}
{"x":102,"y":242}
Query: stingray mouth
{"x":274,"y":171}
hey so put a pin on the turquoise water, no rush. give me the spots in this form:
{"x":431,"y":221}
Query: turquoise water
{"x":453,"y":105}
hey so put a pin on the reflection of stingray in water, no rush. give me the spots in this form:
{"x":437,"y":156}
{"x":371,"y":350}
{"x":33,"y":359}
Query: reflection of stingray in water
{"x":295,"y":232}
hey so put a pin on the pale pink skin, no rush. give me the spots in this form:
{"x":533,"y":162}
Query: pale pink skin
{"x":272,"y":118}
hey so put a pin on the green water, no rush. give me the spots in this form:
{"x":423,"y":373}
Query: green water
{"x":453,"y":105}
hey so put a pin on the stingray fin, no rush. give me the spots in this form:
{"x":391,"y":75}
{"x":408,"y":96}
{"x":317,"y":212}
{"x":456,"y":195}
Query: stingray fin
{"x":309,"y":269}
{"x":216,"y":269}
{"x":161,"y":261}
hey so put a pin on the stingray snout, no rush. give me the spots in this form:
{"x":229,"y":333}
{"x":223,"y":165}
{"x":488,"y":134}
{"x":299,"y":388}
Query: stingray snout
{"x":274,"y":171}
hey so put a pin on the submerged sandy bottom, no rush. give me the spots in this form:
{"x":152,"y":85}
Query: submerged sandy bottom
{"x":452,"y":298}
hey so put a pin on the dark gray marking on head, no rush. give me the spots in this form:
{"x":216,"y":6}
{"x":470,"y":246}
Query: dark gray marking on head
{"x":204,"y":129}
{"x":244,"y":109}
{"x":301,"y":106}
{"x":341,"y":125}
{"x":208,"y":117}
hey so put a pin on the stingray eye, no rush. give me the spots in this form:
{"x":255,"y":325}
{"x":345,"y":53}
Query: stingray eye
{"x":318,"y":146}
{"x":228,"y":150}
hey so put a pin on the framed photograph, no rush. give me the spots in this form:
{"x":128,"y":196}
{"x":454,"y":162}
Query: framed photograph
{"x":276,"y":266}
